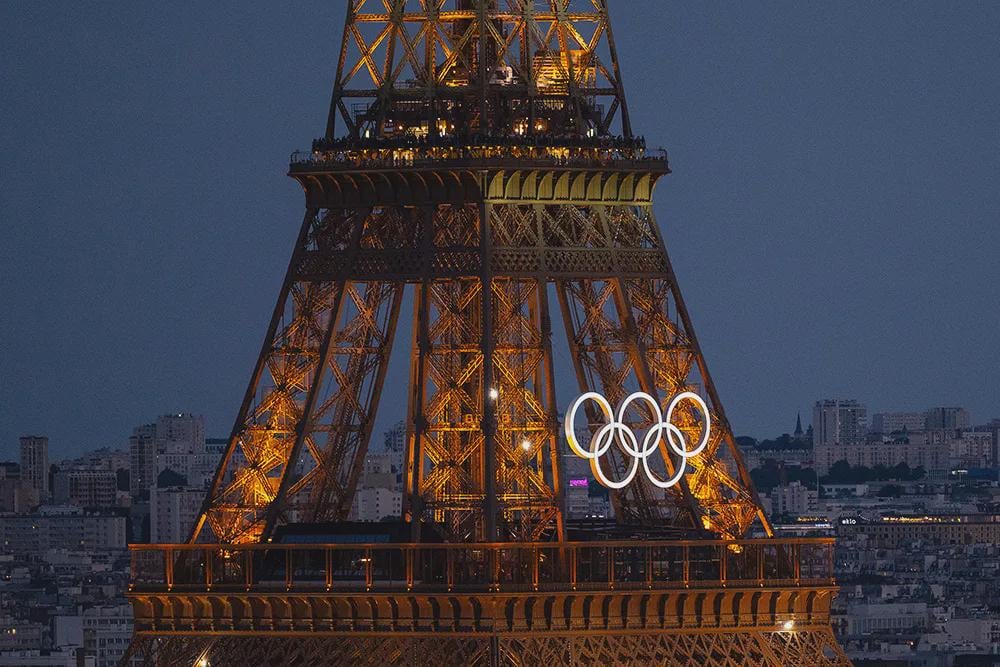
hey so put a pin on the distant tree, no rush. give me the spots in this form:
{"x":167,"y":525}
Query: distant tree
{"x":840,"y":472}
{"x":805,"y":476}
{"x":766,"y":477}
{"x":890,"y":491}
{"x":784,"y":442}
{"x":772,"y":474}
{"x":169,"y":477}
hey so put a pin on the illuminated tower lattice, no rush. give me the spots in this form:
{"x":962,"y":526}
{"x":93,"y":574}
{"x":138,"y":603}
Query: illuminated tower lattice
{"x":479,"y":163}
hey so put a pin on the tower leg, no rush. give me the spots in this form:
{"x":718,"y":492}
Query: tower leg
{"x":302,"y":433}
{"x":481,"y":461}
{"x":719,"y":480}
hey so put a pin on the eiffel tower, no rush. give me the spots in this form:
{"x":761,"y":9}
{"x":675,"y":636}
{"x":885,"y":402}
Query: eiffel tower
{"x":479,"y":172}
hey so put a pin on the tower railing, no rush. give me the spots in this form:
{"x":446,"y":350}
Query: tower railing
{"x":506,"y":567}
{"x":520,"y":157}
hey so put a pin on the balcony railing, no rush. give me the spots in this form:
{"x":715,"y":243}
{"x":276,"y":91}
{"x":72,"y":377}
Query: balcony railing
{"x":509,"y":567}
{"x":513,"y":155}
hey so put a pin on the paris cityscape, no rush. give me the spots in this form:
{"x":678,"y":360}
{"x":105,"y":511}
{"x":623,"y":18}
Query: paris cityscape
{"x":912,"y":497}
{"x":458,"y":413}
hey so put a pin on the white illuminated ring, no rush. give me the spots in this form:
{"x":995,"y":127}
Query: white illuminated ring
{"x":616,"y":431}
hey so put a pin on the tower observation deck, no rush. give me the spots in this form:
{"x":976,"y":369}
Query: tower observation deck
{"x":479,"y":163}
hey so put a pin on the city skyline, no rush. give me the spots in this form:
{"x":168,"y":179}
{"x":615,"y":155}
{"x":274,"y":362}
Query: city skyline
{"x":694,"y":306}
{"x":379,"y":444}
{"x":157,"y":293}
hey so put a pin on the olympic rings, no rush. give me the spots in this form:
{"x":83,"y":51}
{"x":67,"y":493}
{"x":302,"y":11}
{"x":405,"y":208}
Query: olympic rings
{"x":615,"y":431}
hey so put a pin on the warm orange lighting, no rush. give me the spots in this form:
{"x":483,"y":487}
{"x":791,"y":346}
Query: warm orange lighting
{"x":444,"y":127}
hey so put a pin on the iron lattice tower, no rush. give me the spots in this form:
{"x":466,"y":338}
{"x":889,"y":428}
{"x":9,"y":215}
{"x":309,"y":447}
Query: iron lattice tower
{"x":480,"y":153}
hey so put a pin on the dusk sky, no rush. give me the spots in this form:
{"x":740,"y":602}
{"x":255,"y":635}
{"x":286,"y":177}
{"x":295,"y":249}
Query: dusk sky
{"x":832,"y":216}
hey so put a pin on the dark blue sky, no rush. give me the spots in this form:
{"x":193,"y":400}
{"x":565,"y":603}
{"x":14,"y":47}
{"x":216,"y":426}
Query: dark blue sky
{"x":833,"y":215}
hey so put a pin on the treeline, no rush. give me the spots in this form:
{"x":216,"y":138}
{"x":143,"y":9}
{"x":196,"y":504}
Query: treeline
{"x":843,"y":472}
{"x":782,"y":443}
{"x":773,"y":473}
